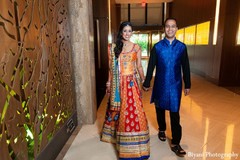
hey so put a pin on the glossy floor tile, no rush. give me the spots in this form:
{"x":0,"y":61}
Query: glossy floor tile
{"x":210,"y":119}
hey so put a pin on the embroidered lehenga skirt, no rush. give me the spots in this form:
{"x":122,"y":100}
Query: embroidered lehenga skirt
{"x":128,"y":127}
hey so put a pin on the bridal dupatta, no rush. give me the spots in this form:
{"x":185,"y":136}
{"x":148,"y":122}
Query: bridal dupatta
{"x":115,"y":101}
{"x":113,"y":108}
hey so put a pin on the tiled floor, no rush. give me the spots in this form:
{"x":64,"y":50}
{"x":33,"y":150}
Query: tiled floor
{"x":210,"y":118}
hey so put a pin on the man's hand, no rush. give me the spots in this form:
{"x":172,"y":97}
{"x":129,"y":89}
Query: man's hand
{"x":186,"y":92}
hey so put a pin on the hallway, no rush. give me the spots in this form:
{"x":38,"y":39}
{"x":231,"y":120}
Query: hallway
{"x":209,"y":118}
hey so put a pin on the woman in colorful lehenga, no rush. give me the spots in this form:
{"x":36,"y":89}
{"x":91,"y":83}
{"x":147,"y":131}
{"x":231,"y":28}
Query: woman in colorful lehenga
{"x":125,"y":122}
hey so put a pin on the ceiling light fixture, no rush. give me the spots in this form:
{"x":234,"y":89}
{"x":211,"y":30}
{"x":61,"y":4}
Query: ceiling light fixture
{"x":143,"y":3}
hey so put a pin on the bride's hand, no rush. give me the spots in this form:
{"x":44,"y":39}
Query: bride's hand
{"x":108,"y":88}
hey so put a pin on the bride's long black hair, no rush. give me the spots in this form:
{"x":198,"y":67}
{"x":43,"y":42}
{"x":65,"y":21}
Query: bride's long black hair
{"x":119,"y":43}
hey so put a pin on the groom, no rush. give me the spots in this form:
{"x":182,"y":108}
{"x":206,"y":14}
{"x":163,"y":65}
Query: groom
{"x":170,"y":58}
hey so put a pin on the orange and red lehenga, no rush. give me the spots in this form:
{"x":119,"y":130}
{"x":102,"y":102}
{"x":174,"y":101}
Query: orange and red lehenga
{"x":125,"y":122}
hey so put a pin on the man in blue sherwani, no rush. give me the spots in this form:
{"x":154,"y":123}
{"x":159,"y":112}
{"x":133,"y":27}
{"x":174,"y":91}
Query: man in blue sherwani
{"x":170,"y":58}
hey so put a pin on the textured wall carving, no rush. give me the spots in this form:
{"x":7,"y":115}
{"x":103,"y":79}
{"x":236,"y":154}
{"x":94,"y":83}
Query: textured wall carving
{"x":36,"y":93}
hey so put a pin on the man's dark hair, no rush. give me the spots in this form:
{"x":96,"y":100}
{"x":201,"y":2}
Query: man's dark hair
{"x":170,"y":18}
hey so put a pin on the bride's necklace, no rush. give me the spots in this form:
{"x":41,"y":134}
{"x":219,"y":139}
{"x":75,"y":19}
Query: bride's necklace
{"x":126,"y":47}
{"x":125,"y":44}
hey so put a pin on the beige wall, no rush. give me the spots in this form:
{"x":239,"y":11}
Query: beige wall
{"x":81,"y":22}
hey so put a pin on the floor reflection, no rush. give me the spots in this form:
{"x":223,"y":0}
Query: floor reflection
{"x":210,"y":121}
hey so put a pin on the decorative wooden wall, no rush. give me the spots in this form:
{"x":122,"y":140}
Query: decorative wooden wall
{"x":36,"y":92}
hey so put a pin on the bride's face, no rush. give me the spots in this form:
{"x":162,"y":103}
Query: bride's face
{"x":127,"y":33}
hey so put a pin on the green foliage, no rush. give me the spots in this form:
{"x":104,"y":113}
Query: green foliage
{"x":143,"y":45}
{"x":141,"y":40}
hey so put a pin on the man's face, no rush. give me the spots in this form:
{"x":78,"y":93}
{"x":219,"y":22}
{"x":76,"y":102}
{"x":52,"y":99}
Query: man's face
{"x":170,"y":29}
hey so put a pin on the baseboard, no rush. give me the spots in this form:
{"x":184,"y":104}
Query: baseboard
{"x":51,"y":151}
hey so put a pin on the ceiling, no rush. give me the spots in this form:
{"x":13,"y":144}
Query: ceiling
{"x":140,"y":1}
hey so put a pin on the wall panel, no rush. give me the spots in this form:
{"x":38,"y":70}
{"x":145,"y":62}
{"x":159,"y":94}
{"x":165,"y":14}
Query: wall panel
{"x":202,"y":57}
{"x":35,"y":75}
{"x":230,"y":62}
{"x":101,"y":27}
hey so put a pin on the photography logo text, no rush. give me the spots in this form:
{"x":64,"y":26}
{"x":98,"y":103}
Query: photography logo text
{"x":231,"y":155}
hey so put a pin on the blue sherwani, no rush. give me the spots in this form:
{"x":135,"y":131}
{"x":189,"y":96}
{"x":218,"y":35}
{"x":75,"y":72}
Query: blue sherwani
{"x":172,"y":65}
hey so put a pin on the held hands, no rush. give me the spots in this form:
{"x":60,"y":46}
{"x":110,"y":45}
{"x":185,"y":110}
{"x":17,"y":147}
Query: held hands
{"x":144,"y":88}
